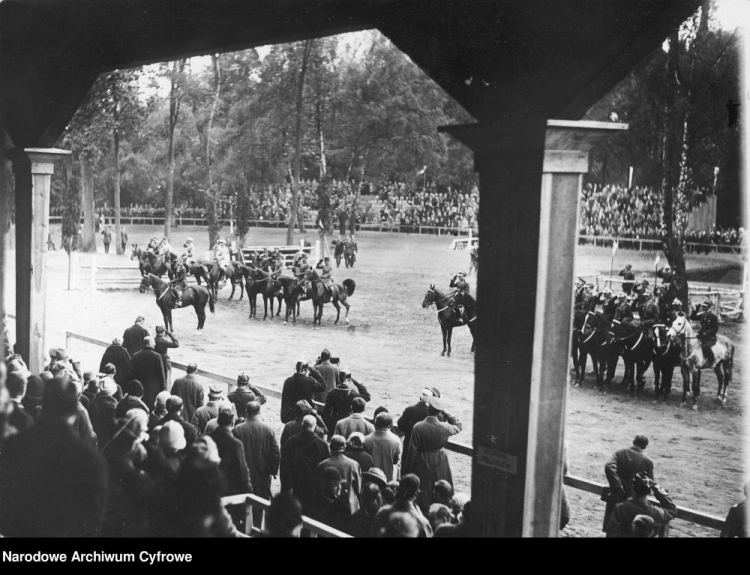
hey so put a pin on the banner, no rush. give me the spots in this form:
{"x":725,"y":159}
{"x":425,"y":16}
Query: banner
{"x":657,"y":260}
{"x":614,"y":248}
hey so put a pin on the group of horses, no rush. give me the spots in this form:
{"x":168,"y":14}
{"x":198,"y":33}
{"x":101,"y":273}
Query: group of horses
{"x":250,"y":278}
{"x":665,"y":346}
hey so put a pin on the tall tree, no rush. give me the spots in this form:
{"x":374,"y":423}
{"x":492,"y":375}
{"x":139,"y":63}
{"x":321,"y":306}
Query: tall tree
{"x":301,"y":70}
{"x":176,"y":72}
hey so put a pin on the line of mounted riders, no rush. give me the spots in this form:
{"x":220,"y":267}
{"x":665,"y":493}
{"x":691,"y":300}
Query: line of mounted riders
{"x":663,"y":337}
{"x":261,"y":274}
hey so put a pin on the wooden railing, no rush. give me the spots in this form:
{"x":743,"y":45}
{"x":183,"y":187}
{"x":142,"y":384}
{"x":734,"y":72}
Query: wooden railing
{"x":254,"y":504}
{"x":684,"y":513}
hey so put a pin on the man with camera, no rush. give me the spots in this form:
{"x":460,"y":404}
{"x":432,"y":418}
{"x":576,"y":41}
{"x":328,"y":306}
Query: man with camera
{"x":620,"y":470}
{"x":304,"y":383}
{"x":621,"y":523}
{"x":329,"y":370}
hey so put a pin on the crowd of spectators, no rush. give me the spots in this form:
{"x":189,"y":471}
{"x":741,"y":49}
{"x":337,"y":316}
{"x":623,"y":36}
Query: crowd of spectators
{"x":119,"y":452}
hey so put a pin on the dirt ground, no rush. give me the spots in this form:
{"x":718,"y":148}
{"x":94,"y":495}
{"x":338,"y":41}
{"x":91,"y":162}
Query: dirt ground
{"x":393,"y":346}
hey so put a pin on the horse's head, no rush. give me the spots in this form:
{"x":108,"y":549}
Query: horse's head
{"x":678,"y":328}
{"x":145,"y":284}
{"x":429,"y":297}
{"x":136,"y":253}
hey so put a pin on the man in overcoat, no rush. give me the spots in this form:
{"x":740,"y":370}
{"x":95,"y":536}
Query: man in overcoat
{"x":261,"y":449}
{"x":300,"y":458}
{"x":118,"y":356}
{"x":349,"y":470}
{"x":148,"y":368}
{"x":300,"y":386}
{"x":329,"y":372}
{"x":132,"y":339}
{"x":621,"y":469}
{"x":427,"y":458}
{"x":190,"y":391}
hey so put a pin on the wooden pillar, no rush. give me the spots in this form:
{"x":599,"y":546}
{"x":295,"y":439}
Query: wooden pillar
{"x":530,"y":179}
{"x":33,"y":168}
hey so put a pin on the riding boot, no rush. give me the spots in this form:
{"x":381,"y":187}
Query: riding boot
{"x":176,"y":296}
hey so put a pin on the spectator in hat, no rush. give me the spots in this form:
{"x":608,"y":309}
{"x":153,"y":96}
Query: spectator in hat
{"x":736,"y":524}
{"x":261,"y":450}
{"x":164,"y":341}
{"x":160,"y":409}
{"x":118,"y":356}
{"x":174,"y":413}
{"x":172,"y":443}
{"x":621,"y":522}
{"x":32,"y":399}
{"x":103,"y":412}
{"x":410,"y":417}
{"x":61,"y":361}
{"x":300,"y":457}
{"x":284,"y":516}
{"x":427,"y":458}
{"x":439,"y":514}
{"x":621,"y":469}
{"x":213,"y":424}
{"x":348,"y":468}
{"x":355,"y":449}
{"x":302,"y":408}
{"x":405,"y":502}
{"x":245,"y":393}
{"x":384,"y":446}
{"x":53,"y":484}
{"x":132,"y":338}
{"x":339,"y":400}
{"x":17,"y":417}
{"x":329,"y":372}
{"x":108,"y":380}
{"x":232,"y":455}
{"x":643,"y":526}
{"x":148,"y":368}
{"x":331,"y":504}
{"x":189,"y":390}
{"x":371,"y":500}
{"x":133,"y":399}
{"x":356,"y":421}
{"x":207,"y":412}
{"x":304,"y":383}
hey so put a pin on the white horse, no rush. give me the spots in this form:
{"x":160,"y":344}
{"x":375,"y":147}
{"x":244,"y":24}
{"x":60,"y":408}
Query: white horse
{"x":692,"y":360}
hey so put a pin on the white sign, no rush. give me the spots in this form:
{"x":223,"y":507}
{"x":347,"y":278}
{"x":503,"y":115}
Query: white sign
{"x":497,"y":459}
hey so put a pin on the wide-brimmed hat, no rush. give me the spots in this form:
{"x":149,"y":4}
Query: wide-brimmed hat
{"x":356,"y":439}
{"x":161,"y":400}
{"x":108,"y":386}
{"x":172,"y":436}
{"x":375,"y":475}
{"x":436,"y":403}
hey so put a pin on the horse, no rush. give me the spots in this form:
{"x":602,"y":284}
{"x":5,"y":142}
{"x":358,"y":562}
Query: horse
{"x":632,"y":343}
{"x":197,"y":296}
{"x":349,"y":256}
{"x":150,"y":263}
{"x":232,"y":271}
{"x":291,"y":291}
{"x":321,"y":296}
{"x":197,"y":270}
{"x":692,"y":360}
{"x":665,"y":357}
{"x":589,"y":333}
{"x":338,"y":251}
{"x":448,"y":316}
{"x":258,"y":281}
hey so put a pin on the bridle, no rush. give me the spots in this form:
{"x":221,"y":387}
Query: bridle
{"x":435,"y":300}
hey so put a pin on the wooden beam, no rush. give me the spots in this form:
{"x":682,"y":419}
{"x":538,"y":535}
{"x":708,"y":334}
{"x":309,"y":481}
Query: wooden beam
{"x":530,"y":180}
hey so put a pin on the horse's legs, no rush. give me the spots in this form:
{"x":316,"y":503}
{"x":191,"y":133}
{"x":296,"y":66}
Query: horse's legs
{"x":278,"y":311}
{"x":696,"y":386}
{"x":641,"y":367}
{"x":445,"y":336}
{"x":657,"y":383}
{"x":234,"y":285}
{"x":335,"y":303}
{"x":685,"y":383}
{"x":450,"y":334}
{"x":581,"y":366}
{"x":265,"y":306}
{"x":201,"y":313}
{"x":720,"y":379}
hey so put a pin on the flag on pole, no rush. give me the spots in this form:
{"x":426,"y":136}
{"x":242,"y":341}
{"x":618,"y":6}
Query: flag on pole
{"x":320,"y":223}
{"x":614,"y":248}
{"x":422,"y":171}
{"x":657,"y":260}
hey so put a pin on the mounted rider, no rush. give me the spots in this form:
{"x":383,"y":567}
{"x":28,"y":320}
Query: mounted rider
{"x":624,"y":312}
{"x":709,"y":328}
{"x":179,"y":281}
{"x":277,"y":262}
{"x":666,"y":274}
{"x":326,"y":270}
{"x":188,"y":257}
{"x":462,"y":298}
{"x":221,"y":256}
{"x":649,"y":314}
{"x":301,"y":266}
{"x":675,"y":310}
{"x":609,"y":309}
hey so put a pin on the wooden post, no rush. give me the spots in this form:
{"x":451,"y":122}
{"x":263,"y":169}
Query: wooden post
{"x":33,"y":169}
{"x":530,"y":180}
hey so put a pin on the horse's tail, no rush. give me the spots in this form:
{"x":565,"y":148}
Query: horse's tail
{"x":350,"y":285}
{"x":211,"y":305}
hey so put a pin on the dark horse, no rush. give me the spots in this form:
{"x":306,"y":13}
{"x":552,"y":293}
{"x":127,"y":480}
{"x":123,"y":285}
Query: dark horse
{"x":150,"y":263}
{"x":196,"y":296}
{"x":448,"y":316}
{"x":632,"y":342}
{"x":233,"y":271}
{"x":337,"y":294}
{"x":291,"y":290}
{"x":666,"y":356}
{"x":195,"y":269}
{"x":258,"y":281}
{"x":589,"y":332}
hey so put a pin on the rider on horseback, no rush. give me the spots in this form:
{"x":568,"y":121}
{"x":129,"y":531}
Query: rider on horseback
{"x":624,"y":311}
{"x":300,"y":269}
{"x":462,"y":298}
{"x":709,"y":328}
{"x":675,"y":310}
{"x":326,"y":269}
{"x":221,"y":256}
{"x":649,"y":314}
{"x":179,"y":281}
{"x":187,"y":256}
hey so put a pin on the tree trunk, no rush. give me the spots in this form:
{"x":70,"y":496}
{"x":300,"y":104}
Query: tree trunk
{"x":321,"y":140}
{"x":212,"y":195}
{"x":88,"y":241}
{"x":175,"y":97}
{"x":118,"y":227}
{"x":298,"y":145}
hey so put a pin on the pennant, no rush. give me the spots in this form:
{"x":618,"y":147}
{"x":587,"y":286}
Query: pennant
{"x":657,"y":260}
{"x":422,"y":171}
{"x":320,"y":223}
{"x":614,"y":248}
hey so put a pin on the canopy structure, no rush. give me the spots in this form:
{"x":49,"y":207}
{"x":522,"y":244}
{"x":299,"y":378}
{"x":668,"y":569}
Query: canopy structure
{"x":513,"y":64}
